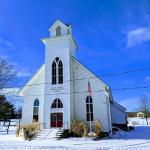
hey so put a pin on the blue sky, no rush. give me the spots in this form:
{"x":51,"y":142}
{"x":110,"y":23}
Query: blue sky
{"x":112,"y":36}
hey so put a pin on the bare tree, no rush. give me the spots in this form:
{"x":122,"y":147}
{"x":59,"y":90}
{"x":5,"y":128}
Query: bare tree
{"x":7,"y":73}
{"x":144,"y":106}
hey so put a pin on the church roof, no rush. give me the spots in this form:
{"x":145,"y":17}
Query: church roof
{"x":20,"y":92}
{"x":58,"y":22}
{"x":119,"y":106}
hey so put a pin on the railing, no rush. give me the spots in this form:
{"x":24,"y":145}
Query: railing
{"x":43,"y":125}
{"x":64,"y":127}
{"x":9,"y":122}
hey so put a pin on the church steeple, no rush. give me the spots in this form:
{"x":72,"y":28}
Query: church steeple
{"x":59,"y":29}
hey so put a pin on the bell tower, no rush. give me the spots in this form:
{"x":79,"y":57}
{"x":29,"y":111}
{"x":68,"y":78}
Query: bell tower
{"x":59,"y":49}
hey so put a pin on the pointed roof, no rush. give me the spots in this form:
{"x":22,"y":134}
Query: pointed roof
{"x":58,"y":22}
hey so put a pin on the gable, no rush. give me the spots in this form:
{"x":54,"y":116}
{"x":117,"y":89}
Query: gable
{"x":58,"y":22}
{"x":84,"y":73}
{"x":92,"y":75}
{"x":36,"y":79}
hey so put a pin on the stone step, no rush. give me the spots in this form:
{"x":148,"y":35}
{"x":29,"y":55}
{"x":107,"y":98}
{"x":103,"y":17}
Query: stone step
{"x":47,"y":134}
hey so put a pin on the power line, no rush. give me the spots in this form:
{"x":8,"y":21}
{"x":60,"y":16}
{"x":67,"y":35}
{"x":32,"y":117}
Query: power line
{"x":109,"y":74}
{"x":78,"y":92}
{"x":125,"y":72}
{"x":98,"y":77}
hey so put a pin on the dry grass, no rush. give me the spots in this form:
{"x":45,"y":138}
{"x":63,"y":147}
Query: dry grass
{"x":79,"y":128}
{"x":30,"y":130}
{"x":98,"y":129}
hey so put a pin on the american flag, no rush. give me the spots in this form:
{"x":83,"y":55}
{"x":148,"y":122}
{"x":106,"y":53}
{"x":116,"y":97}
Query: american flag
{"x":89,"y":89}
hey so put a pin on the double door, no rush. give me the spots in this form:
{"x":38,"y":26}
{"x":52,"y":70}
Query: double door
{"x":56,"y":119}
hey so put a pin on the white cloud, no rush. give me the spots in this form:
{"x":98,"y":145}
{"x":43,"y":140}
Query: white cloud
{"x":137,"y":36}
{"x":6,"y":45}
{"x":8,"y":91}
{"x":127,"y":81}
{"x":147,"y":78}
{"x":131,"y":104}
{"x":11,"y":96}
{"x":23,"y":73}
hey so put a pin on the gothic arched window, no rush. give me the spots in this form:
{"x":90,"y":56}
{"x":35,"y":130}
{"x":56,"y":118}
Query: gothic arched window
{"x":60,"y":72}
{"x":54,"y":72}
{"x":58,"y":31}
{"x":36,"y":110}
{"x":89,"y":108}
{"x":57,"y":103}
{"x":57,"y":71}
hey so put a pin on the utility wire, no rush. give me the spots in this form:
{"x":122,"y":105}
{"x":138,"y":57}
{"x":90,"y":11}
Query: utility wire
{"x":109,"y":74}
{"x":78,"y":92}
{"x":98,"y":77}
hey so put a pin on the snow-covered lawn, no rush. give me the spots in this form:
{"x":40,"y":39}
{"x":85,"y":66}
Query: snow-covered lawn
{"x":136,"y":139}
{"x":138,"y":121}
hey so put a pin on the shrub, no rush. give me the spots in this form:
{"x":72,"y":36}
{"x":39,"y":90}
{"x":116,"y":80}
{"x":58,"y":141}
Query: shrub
{"x":30,"y":130}
{"x":98,"y":129}
{"x":131,"y":127}
{"x":65,"y":134}
{"x":75,"y":127}
{"x":78,"y":129}
{"x":18,"y":130}
{"x":84,"y":129}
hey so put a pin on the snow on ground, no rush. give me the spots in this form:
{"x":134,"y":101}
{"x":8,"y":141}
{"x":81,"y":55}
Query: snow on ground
{"x":137,"y":139}
{"x":138,"y":121}
{"x":9,"y":137}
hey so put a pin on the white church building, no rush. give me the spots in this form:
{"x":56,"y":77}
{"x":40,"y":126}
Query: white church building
{"x":59,"y":91}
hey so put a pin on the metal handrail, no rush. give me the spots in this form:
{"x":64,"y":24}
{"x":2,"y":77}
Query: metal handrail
{"x":63,"y":127}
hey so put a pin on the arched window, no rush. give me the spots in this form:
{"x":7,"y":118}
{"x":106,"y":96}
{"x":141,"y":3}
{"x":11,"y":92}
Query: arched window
{"x":36,"y":110}
{"x":57,"y":71}
{"x":58,"y":31}
{"x":89,"y":108}
{"x":54,"y":72}
{"x":60,"y":72}
{"x":57,"y":103}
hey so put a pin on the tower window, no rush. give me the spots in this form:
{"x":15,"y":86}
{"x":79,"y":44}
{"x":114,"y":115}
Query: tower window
{"x":54,"y":72}
{"x":58,"y":31}
{"x":60,"y":72}
{"x":57,"y":71}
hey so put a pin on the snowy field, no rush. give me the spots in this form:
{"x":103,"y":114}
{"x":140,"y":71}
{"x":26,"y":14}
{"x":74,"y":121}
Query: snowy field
{"x":138,"y":121}
{"x":137,"y":139}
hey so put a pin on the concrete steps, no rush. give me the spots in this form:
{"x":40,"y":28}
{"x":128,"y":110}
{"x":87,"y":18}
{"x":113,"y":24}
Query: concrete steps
{"x":46,"y":134}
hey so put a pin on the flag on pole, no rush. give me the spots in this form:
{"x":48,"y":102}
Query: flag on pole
{"x":89,"y":89}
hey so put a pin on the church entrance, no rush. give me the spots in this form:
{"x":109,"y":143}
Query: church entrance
{"x":56,"y":119}
{"x":56,"y":115}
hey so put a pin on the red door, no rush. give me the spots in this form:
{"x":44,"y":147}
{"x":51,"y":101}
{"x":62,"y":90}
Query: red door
{"x":56,"y":119}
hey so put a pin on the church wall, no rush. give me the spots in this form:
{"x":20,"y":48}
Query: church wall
{"x":33,"y":92}
{"x":118,"y":116}
{"x":100,"y":106}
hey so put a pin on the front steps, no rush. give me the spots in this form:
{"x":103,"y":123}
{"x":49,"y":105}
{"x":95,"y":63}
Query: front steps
{"x":47,"y":134}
